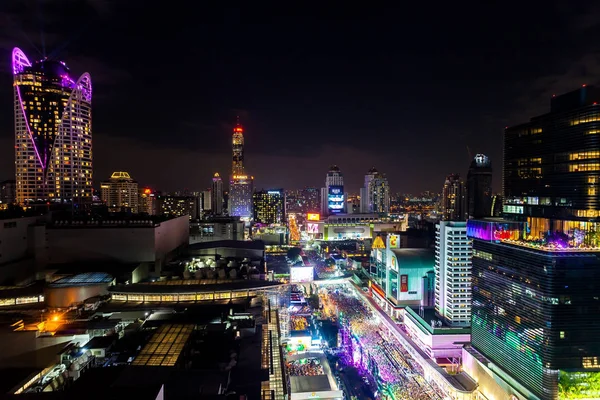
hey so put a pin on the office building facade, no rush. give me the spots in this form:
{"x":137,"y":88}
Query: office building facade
{"x":453,"y":253}
{"x":375,"y":195}
{"x":332,"y":195}
{"x":536,"y":274}
{"x":269,"y":206}
{"x":147,"y":201}
{"x":217,"y":195}
{"x":454,"y":199}
{"x":120,"y":193}
{"x":53,"y":132}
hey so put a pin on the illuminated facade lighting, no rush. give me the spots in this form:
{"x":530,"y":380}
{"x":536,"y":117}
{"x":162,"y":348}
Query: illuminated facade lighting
{"x":120,"y":193}
{"x":53,"y":132}
{"x":241,"y":186}
{"x":269,"y":206}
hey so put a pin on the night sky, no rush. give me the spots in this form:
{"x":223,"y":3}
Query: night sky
{"x":410,"y":90}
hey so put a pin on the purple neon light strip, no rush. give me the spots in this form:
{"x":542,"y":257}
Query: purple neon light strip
{"x":28,"y":128}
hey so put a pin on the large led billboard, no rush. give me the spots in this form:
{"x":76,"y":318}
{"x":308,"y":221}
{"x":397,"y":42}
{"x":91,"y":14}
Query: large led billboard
{"x":301,"y":274}
{"x":335,"y":199}
{"x":312,"y":228}
{"x":313,"y":217}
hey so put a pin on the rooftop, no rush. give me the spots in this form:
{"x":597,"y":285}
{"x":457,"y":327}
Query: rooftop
{"x":234,"y":244}
{"x":85,"y":279}
{"x":192,"y":286}
{"x":165,"y":346}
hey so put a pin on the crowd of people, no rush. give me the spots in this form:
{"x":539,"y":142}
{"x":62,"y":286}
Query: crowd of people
{"x":396,"y":369}
{"x":305,"y":367}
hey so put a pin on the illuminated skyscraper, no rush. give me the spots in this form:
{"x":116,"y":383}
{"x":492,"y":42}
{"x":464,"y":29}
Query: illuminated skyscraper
{"x":332,"y":195}
{"x":375,"y":195}
{"x":241,"y":185}
{"x":454,"y":205}
{"x":53,"y":131}
{"x":536,"y":274}
{"x":269,"y":206}
{"x":453,"y":254}
{"x":237,"y":165}
{"x":120,"y":193}
{"x":147,"y":201}
{"x":217,"y":195}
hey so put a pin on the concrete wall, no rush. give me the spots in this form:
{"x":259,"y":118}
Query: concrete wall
{"x":437,"y":346}
{"x":13,"y":238}
{"x":170,"y":235}
{"x":124,"y":244}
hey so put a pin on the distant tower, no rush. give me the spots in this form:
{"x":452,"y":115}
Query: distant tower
{"x":237,"y":167}
{"x":453,"y":199}
{"x":120,"y":193}
{"x":375,"y":195}
{"x":332,"y":195}
{"x":217,"y":194}
{"x":53,"y":132}
{"x":479,"y":187}
{"x":241,"y":185}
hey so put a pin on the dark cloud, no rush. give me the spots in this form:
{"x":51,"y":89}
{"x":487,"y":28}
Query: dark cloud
{"x":414,"y":92}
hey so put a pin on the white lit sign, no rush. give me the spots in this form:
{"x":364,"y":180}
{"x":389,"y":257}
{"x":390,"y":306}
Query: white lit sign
{"x":301,"y":274}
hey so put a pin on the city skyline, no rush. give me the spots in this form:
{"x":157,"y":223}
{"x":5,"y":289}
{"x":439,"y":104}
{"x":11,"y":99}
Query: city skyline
{"x":322,"y":115}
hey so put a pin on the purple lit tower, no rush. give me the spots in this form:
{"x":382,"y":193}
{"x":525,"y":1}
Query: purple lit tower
{"x":53,"y":132}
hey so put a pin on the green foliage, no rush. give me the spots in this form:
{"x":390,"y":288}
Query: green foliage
{"x":578,"y":385}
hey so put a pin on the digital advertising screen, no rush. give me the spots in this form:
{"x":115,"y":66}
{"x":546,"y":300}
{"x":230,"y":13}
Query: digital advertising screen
{"x":313,"y":217}
{"x":335,"y":199}
{"x":301,"y":274}
{"x":312,"y":228}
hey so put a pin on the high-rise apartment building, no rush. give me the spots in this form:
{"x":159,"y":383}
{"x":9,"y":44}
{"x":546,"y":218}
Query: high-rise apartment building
{"x":269,"y":206}
{"x":241,"y":185}
{"x":120,"y":193}
{"x":332,"y":195}
{"x":536,"y":275}
{"x":217,"y":195}
{"x":375,"y":195}
{"x":179,"y":206}
{"x":206,"y":201}
{"x":53,"y":132}
{"x":453,"y":253}
{"x":147,"y":201}
{"x":454,"y":199}
{"x":479,"y":187}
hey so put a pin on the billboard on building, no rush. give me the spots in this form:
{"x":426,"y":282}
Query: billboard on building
{"x":301,"y":274}
{"x":335,"y":199}
{"x":313,"y":217}
{"x":394,"y":241}
{"x":404,"y":283}
{"x":312,"y":228}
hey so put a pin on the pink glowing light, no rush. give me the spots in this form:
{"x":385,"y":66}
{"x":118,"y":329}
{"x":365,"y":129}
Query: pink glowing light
{"x":84,"y":83}
{"x":19,"y":61}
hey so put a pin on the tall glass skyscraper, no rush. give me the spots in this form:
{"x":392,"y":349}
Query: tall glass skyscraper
{"x":454,"y":203}
{"x":241,"y":185}
{"x":53,"y":132}
{"x":536,"y":274}
{"x":479,"y":187}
